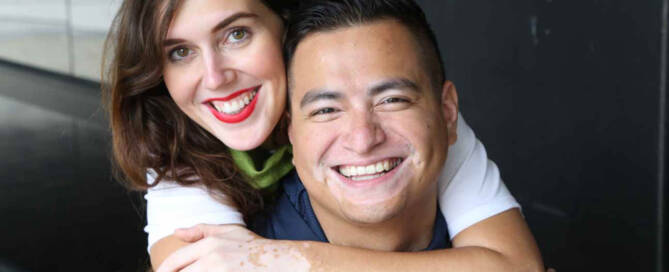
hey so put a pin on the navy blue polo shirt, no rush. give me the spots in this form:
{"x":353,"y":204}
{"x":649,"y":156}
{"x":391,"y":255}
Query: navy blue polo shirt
{"x":292,"y":218}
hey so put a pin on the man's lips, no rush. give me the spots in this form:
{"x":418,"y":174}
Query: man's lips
{"x":237,"y":117}
{"x":367,"y":172}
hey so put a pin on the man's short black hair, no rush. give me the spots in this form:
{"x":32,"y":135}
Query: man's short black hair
{"x":314,"y":16}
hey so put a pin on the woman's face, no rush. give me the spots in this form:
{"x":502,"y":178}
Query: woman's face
{"x":225,"y":70}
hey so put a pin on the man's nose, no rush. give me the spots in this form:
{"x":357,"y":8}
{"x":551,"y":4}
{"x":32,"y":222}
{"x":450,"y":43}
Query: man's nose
{"x":364,"y":133}
{"x":216,"y":71}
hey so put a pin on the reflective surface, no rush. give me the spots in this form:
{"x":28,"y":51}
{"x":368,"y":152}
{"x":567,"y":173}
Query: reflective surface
{"x":60,"y":208}
{"x":64,"y":36}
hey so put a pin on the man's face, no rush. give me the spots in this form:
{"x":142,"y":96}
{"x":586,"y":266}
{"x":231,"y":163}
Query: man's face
{"x":369,"y":134}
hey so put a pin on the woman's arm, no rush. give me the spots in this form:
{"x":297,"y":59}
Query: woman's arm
{"x":162,"y":248}
{"x":470,"y":186}
{"x":170,"y":206}
{"x":500,"y":243}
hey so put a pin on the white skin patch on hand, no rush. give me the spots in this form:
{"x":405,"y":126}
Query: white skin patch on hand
{"x":279,"y":257}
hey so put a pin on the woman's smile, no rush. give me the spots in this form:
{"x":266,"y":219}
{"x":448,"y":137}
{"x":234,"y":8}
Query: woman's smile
{"x":234,"y":108}
{"x":230,"y":77}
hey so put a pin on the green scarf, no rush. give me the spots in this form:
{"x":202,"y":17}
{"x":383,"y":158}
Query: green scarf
{"x":273,"y":169}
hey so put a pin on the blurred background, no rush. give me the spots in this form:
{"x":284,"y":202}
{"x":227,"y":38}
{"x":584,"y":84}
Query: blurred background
{"x":60,"y":208}
{"x":569,"y":98}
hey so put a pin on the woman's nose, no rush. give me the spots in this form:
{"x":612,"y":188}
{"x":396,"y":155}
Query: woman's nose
{"x":216,"y":72}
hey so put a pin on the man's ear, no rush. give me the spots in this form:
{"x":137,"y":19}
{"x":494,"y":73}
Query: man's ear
{"x":449,"y":109}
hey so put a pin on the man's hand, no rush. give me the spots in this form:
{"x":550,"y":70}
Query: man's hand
{"x":232,"y":248}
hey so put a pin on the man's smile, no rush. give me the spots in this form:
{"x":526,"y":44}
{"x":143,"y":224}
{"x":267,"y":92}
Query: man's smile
{"x":369,"y":171}
{"x":368,"y":175}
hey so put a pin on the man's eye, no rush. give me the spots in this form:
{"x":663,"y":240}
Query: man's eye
{"x":394,"y":100}
{"x":394,"y":103}
{"x":180,"y":53}
{"x":323,"y":111}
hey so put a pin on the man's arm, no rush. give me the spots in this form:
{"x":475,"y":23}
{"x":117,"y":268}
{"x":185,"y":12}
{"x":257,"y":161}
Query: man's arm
{"x":500,"y":243}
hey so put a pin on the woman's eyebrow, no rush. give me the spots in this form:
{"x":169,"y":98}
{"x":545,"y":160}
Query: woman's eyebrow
{"x":227,"y":21}
{"x":231,"y":19}
{"x":170,"y":42}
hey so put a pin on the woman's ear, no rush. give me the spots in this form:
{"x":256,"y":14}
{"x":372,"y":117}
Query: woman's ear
{"x":449,"y":108}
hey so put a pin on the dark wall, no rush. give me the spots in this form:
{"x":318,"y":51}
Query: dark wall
{"x":565,"y":95}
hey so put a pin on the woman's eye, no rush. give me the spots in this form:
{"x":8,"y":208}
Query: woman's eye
{"x":179,"y":53}
{"x":237,"y":35}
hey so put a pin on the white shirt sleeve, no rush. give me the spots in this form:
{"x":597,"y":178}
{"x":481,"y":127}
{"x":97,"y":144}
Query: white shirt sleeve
{"x":170,"y":206}
{"x":470,"y":187}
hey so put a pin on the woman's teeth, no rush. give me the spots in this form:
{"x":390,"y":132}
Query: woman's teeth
{"x":369,"y":171}
{"x":234,"y":106}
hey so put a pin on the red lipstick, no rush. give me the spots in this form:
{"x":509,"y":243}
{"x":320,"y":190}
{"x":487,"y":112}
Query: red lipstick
{"x":238,"y":117}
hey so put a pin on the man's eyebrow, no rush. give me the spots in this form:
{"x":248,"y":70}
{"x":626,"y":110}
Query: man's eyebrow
{"x":319,"y":94}
{"x":227,"y":21}
{"x":394,"y":83}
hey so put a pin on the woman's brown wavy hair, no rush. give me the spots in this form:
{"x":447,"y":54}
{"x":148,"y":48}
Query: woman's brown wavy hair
{"x":149,"y":131}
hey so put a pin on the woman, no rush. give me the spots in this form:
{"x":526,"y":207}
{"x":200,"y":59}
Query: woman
{"x":191,"y":77}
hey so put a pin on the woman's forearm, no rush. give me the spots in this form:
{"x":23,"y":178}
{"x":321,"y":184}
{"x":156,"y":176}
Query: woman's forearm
{"x":500,"y":243}
{"x":164,"y":248}
{"x":327,"y":257}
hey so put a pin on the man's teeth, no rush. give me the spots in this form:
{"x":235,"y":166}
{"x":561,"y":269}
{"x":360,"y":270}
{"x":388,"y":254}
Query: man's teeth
{"x":369,"y":171}
{"x":234,"y":106}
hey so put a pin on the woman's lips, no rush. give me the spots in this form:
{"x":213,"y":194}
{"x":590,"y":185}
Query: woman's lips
{"x":234,"y":95}
{"x":240,"y":116}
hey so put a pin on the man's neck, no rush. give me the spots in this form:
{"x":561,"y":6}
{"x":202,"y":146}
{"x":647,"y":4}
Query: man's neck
{"x":410,"y":230}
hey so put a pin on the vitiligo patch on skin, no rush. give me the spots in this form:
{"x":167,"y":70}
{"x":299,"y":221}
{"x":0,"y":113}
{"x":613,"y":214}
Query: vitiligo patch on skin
{"x":266,"y":255}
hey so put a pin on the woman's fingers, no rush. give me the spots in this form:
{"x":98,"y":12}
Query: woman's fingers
{"x":196,"y":266}
{"x":187,"y":255}
{"x":200,"y":231}
{"x":190,"y":235}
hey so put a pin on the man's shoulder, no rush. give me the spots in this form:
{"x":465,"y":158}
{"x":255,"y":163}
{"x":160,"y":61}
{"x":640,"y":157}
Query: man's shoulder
{"x":440,"y":237}
{"x":290,"y":216}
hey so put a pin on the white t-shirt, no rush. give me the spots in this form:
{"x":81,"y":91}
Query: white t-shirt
{"x":470,"y":190}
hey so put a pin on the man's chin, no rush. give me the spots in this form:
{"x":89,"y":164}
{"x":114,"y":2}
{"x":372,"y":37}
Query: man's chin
{"x":366,"y":213}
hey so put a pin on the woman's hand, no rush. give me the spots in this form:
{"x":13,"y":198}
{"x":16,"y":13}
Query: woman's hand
{"x":232,"y":248}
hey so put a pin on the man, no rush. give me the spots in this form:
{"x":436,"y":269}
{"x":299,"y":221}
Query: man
{"x":372,"y":117}
{"x":370,"y":130}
